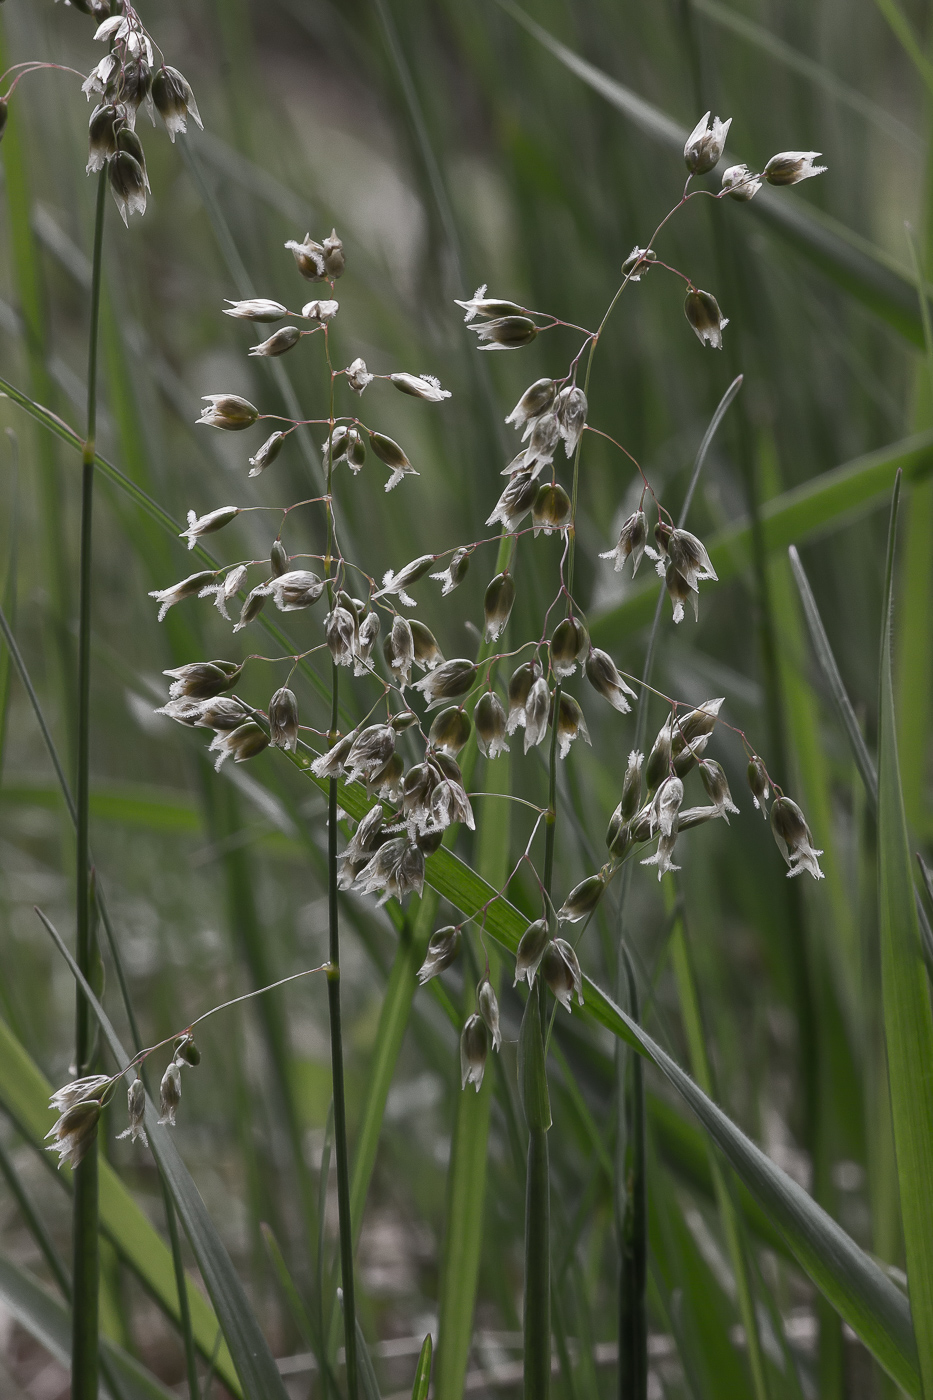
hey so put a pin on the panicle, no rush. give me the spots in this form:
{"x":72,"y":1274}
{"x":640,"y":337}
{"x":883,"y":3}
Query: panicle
{"x":330,"y":764}
{"x":520,"y":684}
{"x":545,"y":435}
{"x":667,"y":803}
{"x":456,"y":570}
{"x":202,"y":680}
{"x":505,"y":332}
{"x":570,"y":723}
{"x":136,"y":1110}
{"x":758,"y":781}
{"x":370,"y":752}
{"x":662,"y":857}
{"x":536,"y":399}
{"x":174,"y":100}
{"x":221,"y":714}
{"x":228,"y":411}
{"x":358,"y":376}
{"x":481,"y":305}
{"x":398,"y":582}
{"x":255,"y":309}
{"x":320,"y":312}
{"x":207,"y":524}
{"x":240,"y":744}
{"x":75,"y":1131}
{"x":129,"y":183}
{"x":638,"y":263}
{"x":253,"y":604}
{"x":551,"y":509}
{"x":446,"y":682}
{"x":451,"y":730}
{"x":571,"y":407}
{"x":399,"y":650}
{"x":516,"y":500}
{"x":537,"y":708}
{"x":659,"y":759}
{"x":397,"y":869}
{"x":790,"y":167}
{"x":389,"y":452}
{"x":716,"y":783}
{"x":739,"y":182}
{"x":295,"y":589}
{"x":427,"y":653}
{"x":631,"y":786}
{"x":169,"y":1094}
{"x":340,"y":635}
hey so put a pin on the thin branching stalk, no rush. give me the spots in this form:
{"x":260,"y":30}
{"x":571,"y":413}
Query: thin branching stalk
{"x":86,"y":1268}
{"x":341,"y":1154}
{"x":633,"y":1264}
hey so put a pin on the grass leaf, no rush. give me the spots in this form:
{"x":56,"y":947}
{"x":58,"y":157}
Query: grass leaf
{"x":422,"y":1385}
{"x":908,"y":1019}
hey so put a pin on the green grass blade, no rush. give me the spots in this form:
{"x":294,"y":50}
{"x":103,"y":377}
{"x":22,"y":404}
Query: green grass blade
{"x":48,"y":1320}
{"x":252,"y":1358}
{"x":908,"y":40}
{"x":853,"y":263}
{"x":422,"y":1385}
{"x":908,"y":1020}
{"x":368,"y":1383}
{"x":825,"y":503}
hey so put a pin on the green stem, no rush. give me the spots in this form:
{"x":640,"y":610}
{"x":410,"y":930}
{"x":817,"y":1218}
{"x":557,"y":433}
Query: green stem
{"x":633,"y":1231}
{"x":86,"y":1266}
{"x":341,"y":1154}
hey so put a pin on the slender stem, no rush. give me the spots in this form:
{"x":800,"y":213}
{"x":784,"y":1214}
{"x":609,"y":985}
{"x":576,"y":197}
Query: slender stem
{"x":633,"y":1265}
{"x":86,"y":1265}
{"x":341,"y":1154}
{"x":537,"y":1320}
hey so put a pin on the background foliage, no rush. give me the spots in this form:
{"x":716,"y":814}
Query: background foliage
{"x":450,"y":147}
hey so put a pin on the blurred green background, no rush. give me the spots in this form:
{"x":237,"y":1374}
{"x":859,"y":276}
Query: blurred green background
{"x":450,"y":147}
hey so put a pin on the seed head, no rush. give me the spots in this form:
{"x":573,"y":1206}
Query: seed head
{"x":310,"y":258}
{"x":221,"y":714}
{"x":658,"y":766}
{"x":537,"y":709}
{"x":481,"y":305}
{"x":447,"y":681}
{"x":186,"y":1053}
{"x":330,"y":764}
{"x":389,"y":452}
{"x":702,"y":311}
{"x":365,"y":840}
{"x":253,"y":604}
{"x":790,"y":167}
{"x":207,"y":524}
{"x":283,"y":720}
{"x":757,"y":775}
{"x":450,"y":730}
{"x":560,"y":968}
{"x":536,"y":399}
{"x":397,"y":869}
{"x":420,"y":386}
{"x":794,"y":839}
{"x":224,"y":589}
{"x":129,"y":184}
{"x":340,"y":635}
{"x":443,"y":950}
{"x":567,"y":645}
{"x":474,"y":1047}
{"x":102,"y":136}
{"x":267,"y":453}
{"x":716,"y":783}
{"x":371,"y":750}
{"x":228,"y":411}
{"x":320,"y":312}
{"x":488,"y":1008}
{"x":489,"y":719}
{"x":705,"y":144}
{"x":667,"y":803}
{"x":631,"y":786}
{"x":358,"y":376}
{"x":91,"y":1086}
{"x":135,"y":84}
{"x":522,"y":680}
{"x":202,"y":680}
{"x":278,"y":343}
{"x":295,"y":589}
{"x":551,"y":510}
{"x":169,"y":1094}
{"x":410,"y":573}
{"x":172,"y":95}
{"x":618,"y":834}
{"x":571,"y":409}
{"x":366,"y":640}
{"x":740,"y":183}
{"x":255,"y":309}
{"x":75,"y":1132}
{"x":168,"y":597}
{"x":136,"y":1109}
{"x":516,"y":500}
{"x":631,"y":545}
{"x":638,"y":263}
{"x":399,"y":650}
{"x":545,"y":435}
{"x":582,"y":899}
{"x":242,"y":743}
{"x":570,"y":723}
{"x":662,"y":856}
{"x":456,"y":570}
{"x":603,"y":675}
{"x":278,"y":559}
{"x":506,"y":332}
{"x":530,"y":951}
{"x":497,"y":605}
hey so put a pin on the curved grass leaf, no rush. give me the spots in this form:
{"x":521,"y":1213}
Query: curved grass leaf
{"x":255,"y":1365}
{"x":825,"y":503}
{"x":48,"y":1320}
{"x":851,"y":261}
{"x":908,"y":1019}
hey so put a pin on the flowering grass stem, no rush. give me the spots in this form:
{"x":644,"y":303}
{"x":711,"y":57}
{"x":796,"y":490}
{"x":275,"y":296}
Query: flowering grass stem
{"x":86,"y":1257}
